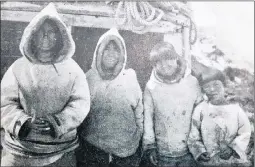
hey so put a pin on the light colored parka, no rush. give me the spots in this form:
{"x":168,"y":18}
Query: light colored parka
{"x":168,"y":109}
{"x":216,"y":127}
{"x":57,"y":91}
{"x":115,"y":121}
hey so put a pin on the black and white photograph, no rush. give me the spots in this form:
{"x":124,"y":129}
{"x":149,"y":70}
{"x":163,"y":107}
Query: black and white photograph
{"x":127,"y":83}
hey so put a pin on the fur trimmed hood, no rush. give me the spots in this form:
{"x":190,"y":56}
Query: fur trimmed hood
{"x":110,"y":35}
{"x":183,"y":72}
{"x":49,"y":12}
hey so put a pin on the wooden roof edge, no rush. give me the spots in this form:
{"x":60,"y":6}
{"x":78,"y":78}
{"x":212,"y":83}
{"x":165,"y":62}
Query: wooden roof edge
{"x":88,"y":9}
{"x":88,"y":21}
{"x":91,"y":9}
{"x":103,"y":12}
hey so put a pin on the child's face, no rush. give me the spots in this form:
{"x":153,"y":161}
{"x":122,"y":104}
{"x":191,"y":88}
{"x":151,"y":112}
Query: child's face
{"x":214,"y":90}
{"x":46,"y":37}
{"x":111,"y":56}
{"x":166,"y":67}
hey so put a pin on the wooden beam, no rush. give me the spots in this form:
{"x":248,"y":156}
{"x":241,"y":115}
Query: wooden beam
{"x":85,"y":8}
{"x":85,"y":21}
{"x":81,"y":8}
{"x":186,"y":46}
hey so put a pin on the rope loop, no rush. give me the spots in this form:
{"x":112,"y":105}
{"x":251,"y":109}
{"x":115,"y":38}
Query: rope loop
{"x":140,"y":16}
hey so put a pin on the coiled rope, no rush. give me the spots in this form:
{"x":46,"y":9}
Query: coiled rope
{"x":140,"y":16}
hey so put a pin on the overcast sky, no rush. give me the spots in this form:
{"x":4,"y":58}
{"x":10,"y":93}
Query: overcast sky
{"x":234,"y":26}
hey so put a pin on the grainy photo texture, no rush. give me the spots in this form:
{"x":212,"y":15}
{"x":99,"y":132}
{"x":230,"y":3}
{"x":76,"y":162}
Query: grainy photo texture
{"x":127,"y":84}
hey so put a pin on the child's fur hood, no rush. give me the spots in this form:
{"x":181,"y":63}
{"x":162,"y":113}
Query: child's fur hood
{"x":111,"y":35}
{"x":183,"y":72}
{"x":49,"y":12}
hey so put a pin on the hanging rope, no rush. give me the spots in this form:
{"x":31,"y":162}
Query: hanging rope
{"x":178,"y":8}
{"x":140,"y":16}
{"x":192,"y":27}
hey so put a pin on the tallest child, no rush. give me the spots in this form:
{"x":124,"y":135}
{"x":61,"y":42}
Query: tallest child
{"x":44,"y":96}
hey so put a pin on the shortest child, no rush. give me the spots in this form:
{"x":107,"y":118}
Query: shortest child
{"x":220,"y":131}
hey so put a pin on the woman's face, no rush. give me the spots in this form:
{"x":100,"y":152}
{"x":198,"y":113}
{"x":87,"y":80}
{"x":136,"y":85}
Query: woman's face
{"x":46,"y":37}
{"x":166,"y":67}
{"x":111,"y":56}
{"x":214,"y":90}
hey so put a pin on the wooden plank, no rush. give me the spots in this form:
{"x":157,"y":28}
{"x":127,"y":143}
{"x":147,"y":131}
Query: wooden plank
{"x":83,"y":8}
{"x":20,"y":6}
{"x":85,"y":21}
{"x":176,"y":19}
{"x":92,"y":9}
{"x":186,"y":46}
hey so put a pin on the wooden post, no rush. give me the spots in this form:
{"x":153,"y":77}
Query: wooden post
{"x":186,"y":39}
{"x":186,"y":46}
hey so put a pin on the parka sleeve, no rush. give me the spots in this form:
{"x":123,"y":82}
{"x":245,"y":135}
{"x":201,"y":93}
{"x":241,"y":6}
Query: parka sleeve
{"x":138,"y":108}
{"x":240,"y":143}
{"x":195,"y":142}
{"x":149,"y":134}
{"x":199,"y":97}
{"x":12,"y":113}
{"x":75,"y":110}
